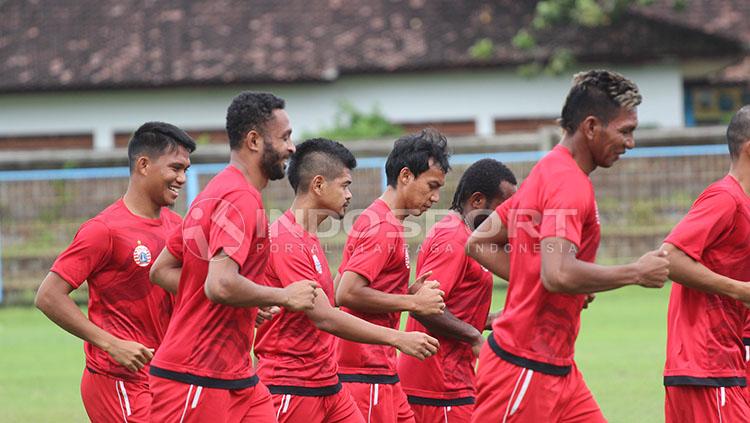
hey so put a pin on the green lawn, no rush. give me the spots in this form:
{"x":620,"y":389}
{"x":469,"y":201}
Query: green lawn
{"x":620,"y":352}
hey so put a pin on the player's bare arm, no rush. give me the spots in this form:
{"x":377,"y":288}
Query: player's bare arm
{"x":697,"y":276}
{"x":344,"y":325}
{"x":562,"y":272}
{"x":165,"y":271}
{"x":224,"y":285}
{"x":486,"y":245}
{"x":53,"y":299}
{"x":353,"y":291}
{"x":450,"y":326}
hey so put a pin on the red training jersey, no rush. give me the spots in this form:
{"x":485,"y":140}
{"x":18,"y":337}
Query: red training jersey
{"x":704,"y":331}
{"x":291,"y":350}
{"x":375,"y":249}
{"x":113,"y":252}
{"x":209,"y":344}
{"x":537,"y":328}
{"x":449,"y":374}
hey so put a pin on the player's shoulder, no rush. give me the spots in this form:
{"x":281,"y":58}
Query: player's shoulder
{"x":171,"y":216}
{"x":721,"y":192}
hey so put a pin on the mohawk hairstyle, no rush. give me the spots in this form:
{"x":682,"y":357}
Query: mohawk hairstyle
{"x":598,"y":93}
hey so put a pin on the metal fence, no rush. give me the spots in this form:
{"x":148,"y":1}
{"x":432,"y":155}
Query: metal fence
{"x":639,"y":199}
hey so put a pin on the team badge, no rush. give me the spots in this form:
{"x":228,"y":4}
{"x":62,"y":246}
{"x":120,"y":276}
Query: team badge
{"x":318,"y":267}
{"x":141,"y":255}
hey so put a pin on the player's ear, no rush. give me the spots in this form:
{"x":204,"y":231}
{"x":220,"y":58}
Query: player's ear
{"x":477,"y":200}
{"x":253,"y":140}
{"x":316,"y":185}
{"x":405,"y":175}
{"x":142,"y":164}
{"x":589,"y":126}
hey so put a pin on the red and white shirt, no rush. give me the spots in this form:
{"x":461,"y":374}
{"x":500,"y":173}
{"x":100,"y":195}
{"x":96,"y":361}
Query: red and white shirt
{"x":114,"y":252}
{"x":537,"y":328}
{"x":704,"y":331}
{"x":208,"y":344}
{"x":449,"y":374}
{"x":376,"y":250}
{"x":292,"y":352}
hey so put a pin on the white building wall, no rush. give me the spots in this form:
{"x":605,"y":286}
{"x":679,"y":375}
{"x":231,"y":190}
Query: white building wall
{"x":482,"y":96}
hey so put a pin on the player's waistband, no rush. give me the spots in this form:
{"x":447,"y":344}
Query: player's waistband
{"x":435,"y":402}
{"x":715,"y":382}
{"x":133,"y":379}
{"x":304,"y":391}
{"x":206,"y":382}
{"x":537,"y":366}
{"x":372,"y":379}
{"x":746,"y":341}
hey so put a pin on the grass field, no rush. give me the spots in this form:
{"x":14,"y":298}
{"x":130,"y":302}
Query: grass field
{"x":620,"y":351}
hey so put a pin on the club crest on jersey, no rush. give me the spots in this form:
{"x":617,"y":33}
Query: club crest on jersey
{"x":141,"y":255}
{"x":318,"y":267}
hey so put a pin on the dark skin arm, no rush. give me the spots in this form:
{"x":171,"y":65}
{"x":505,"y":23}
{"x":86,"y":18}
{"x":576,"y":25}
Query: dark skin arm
{"x":53,"y":299}
{"x":486,"y":245}
{"x":449,"y":326}
{"x":562,"y":272}
{"x":165,"y":272}
{"x":224,"y":285}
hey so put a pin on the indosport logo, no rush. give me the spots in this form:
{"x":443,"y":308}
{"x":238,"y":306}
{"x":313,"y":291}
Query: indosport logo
{"x":222,"y":219}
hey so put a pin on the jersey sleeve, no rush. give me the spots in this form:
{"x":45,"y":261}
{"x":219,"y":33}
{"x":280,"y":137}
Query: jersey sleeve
{"x":447,"y":261}
{"x":565,"y":207}
{"x":370,"y":253}
{"x":174,"y":243}
{"x":290,"y":265}
{"x":503,"y":209}
{"x":233,"y":226}
{"x":89,"y":252}
{"x":710,"y":217}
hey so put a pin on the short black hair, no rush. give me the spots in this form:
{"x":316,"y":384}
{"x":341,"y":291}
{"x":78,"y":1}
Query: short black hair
{"x":250,"y":111}
{"x":414,"y":152}
{"x":738,"y":131}
{"x":598,"y":93}
{"x":156,"y":138}
{"x":483,"y":176}
{"x":318,"y":156}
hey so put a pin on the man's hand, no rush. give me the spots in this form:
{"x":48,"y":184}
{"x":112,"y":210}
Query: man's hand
{"x":130,"y":354}
{"x":428,"y":300}
{"x":300,"y":295}
{"x":491,"y":318}
{"x":589,"y":299}
{"x":417,"y":285}
{"x":653,"y":269}
{"x":417,"y":344}
{"x":265,"y":314}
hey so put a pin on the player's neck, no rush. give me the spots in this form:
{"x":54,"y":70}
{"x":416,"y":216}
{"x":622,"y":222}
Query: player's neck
{"x":307,"y":214}
{"x":139,"y":203}
{"x":251,"y":171}
{"x":394,"y":202}
{"x":740,"y":170}
{"x":580,"y":152}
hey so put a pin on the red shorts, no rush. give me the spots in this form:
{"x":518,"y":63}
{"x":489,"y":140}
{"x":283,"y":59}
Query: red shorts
{"x":706,"y":404}
{"x":336,"y":408}
{"x":509,"y":393}
{"x":113,"y":400}
{"x":442,"y":414}
{"x":381,"y":403}
{"x":179,"y":402}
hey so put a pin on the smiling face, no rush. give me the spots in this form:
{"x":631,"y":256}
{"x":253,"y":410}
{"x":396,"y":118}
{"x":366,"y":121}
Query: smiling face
{"x":611,"y":141}
{"x":422,"y":192}
{"x":165,"y":175}
{"x":277,"y":145}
